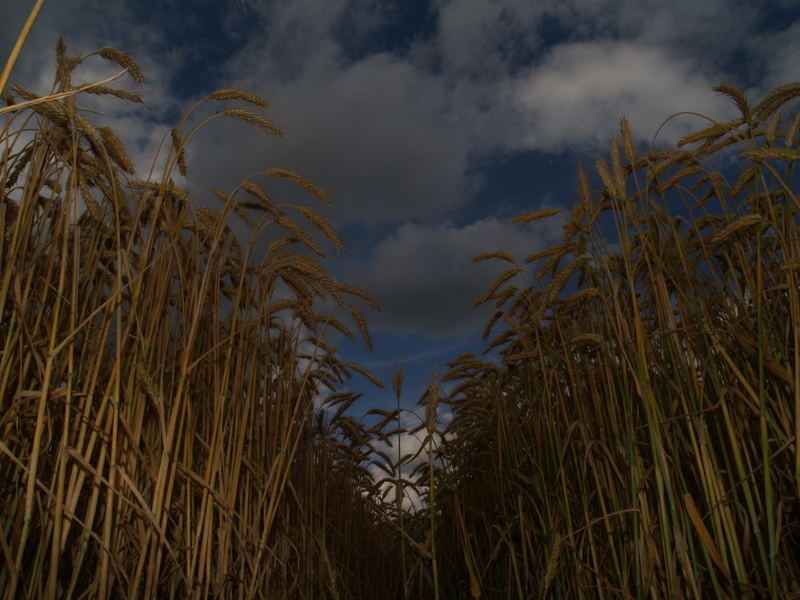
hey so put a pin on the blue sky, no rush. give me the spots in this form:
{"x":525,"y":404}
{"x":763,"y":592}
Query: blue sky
{"x":431,"y":123}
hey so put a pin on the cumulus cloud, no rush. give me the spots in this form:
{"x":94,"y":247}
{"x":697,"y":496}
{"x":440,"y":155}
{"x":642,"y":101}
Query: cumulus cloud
{"x":407,"y":444}
{"x":424,"y":277}
{"x":578,"y":94}
{"x":561,"y":74}
{"x":373,"y":133}
{"x":395,"y":134}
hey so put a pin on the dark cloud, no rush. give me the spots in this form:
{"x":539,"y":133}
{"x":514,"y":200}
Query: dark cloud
{"x":375,"y":134}
{"x":776,"y":59}
{"x":425,"y":279}
{"x":483,"y":40}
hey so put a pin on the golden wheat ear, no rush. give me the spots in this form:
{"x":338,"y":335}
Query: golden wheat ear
{"x":165,"y":413}
{"x":15,"y":51}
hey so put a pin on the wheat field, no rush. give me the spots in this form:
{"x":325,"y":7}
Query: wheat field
{"x":174,"y":420}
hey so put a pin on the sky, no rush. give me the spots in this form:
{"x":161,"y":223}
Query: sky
{"x":431,"y":122}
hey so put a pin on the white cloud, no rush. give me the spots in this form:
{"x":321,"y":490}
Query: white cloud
{"x":406,"y":444}
{"x":642,"y":58}
{"x":576,"y":97}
